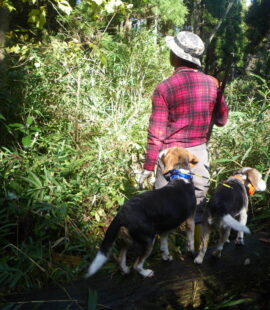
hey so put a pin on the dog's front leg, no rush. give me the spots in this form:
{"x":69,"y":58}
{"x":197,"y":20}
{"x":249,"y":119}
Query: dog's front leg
{"x":206,"y":230}
{"x":164,"y":247}
{"x":243,"y":220}
{"x":190,"y":226}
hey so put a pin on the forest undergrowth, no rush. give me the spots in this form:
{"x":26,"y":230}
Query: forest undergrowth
{"x":74,"y":141}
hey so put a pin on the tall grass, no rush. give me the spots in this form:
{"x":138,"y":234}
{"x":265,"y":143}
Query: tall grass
{"x":75,"y":148}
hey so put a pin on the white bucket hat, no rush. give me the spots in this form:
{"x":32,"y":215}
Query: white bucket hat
{"x":186,"y":45}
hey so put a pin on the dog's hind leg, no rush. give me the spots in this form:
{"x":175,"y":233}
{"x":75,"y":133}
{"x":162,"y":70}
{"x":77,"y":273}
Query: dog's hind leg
{"x":224,"y":235}
{"x":228,"y":239}
{"x":147,"y":249}
{"x":122,"y":259}
{"x":190,"y":225}
{"x":206,"y":230}
{"x":243,"y":220}
{"x":124,"y":241}
{"x":164,"y":247}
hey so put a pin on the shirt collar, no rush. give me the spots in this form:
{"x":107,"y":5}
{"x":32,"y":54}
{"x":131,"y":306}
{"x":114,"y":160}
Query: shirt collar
{"x":182,"y":68}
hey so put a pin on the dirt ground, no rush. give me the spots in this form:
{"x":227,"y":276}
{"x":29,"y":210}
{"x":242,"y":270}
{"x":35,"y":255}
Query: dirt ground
{"x":239,"y":280}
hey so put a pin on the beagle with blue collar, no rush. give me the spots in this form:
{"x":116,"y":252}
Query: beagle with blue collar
{"x":228,"y":201}
{"x":154,"y":212}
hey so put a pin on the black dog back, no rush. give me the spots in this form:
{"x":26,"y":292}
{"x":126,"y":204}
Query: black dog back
{"x":159,"y":210}
{"x":228,"y":199}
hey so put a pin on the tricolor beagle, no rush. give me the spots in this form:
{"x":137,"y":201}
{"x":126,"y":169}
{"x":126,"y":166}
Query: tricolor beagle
{"x":228,"y":201}
{"x":153,"y":212}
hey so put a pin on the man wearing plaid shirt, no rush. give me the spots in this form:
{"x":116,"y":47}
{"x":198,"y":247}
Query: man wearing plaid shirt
{"x":183,"y":113}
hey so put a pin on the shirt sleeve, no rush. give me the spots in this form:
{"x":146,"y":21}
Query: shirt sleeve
{"x":157,"y":129}
{"x":221,"y":111}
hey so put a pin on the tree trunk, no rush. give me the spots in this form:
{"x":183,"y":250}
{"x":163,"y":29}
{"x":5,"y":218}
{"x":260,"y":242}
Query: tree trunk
{"x":197,"y":17}
{"x":4,"y":27}
{"x":215,"y":30}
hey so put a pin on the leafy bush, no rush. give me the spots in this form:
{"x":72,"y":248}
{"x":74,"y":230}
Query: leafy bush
{"x":73,"y":151}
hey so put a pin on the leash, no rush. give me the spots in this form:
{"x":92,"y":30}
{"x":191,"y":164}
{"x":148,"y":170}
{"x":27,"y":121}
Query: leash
{"x":186,"y":174}
{"x":202,"y":176}
{"x":212,"y":180}
{"x":250,"y":188}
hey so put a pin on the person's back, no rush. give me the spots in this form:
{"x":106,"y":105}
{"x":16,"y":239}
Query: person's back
{"x":188,"y":97}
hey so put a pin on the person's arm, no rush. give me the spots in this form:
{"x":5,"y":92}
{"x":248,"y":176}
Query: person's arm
{"x":221,"y":111}
{"x":157,"y":129}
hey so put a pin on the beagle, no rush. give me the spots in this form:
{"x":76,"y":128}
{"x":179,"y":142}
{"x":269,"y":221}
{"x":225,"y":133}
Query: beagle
{"x":153,"y":212}
{"x":228,"y":201}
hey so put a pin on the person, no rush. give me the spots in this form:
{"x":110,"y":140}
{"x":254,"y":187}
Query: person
{"x":184,"y":109}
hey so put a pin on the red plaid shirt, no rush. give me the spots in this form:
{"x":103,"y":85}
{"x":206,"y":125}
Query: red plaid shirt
{"x":182,"y":112}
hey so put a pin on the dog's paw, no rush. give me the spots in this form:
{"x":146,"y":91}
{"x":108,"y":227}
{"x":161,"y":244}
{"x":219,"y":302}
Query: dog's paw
{"x":125,"y":270}
{"x":239,"y":241}
{"x":191,"y":250}
{"x":167,"y":257}
{"x":198,"y":260}
{"x":216,"y":253}
{"x":228,"y":241}
{"x":147,"y":273}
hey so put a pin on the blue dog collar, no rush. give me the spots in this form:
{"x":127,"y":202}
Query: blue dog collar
{"x":180,"y":174}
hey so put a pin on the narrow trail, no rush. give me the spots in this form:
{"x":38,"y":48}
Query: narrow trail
{"x":242,"y":271}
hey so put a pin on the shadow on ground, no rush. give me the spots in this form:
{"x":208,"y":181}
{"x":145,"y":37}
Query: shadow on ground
{"x":239,"y":280}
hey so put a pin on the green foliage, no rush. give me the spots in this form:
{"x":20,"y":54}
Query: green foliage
{"x":37,"y":11}
{"x":257,"y":19}
{"x":258,"y":28}
{"x":74,"y":151}
{"x":230,"y":38}
{"x":171,"y":11}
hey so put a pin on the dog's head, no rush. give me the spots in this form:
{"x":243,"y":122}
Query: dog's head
{"x":254,"y":177}
{"x":177,"y":157}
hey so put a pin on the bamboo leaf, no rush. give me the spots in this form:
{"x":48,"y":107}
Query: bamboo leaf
{"x":64,"y":6}
{"x":246,"y":154}
{"x":29,"y":120}
{"x":92,"y":300}
{"x":2,"y":117}
{"x":234,"y":303}
{"x":26,"y":141}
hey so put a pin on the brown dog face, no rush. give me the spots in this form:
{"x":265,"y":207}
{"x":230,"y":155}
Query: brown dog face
{"x":254,"y":177}
{"x":178,"y":156}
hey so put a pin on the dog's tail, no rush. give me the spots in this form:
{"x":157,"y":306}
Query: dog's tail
{"x":107,"y":243}
{"x":228,"y":220}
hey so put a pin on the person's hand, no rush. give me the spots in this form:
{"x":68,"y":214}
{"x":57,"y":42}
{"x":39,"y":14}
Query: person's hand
{"x":145,"y":174}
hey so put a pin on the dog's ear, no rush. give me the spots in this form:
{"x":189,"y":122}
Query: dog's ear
{"x":243,"y":170}
{"x":169,"y":159}
{"x":193,"y":160}
{"x":253,"y":177}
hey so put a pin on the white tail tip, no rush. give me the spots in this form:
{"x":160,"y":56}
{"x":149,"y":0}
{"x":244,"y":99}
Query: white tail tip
{"x":97,"y":263}
{"x":234,"y":224}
